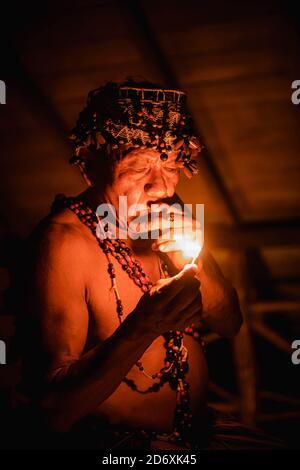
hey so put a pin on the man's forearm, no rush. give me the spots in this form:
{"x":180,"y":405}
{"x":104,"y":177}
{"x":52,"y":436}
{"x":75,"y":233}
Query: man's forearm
{"x":77,"y":389}
{"x":221,"y":309}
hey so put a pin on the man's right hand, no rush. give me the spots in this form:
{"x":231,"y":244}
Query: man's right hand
{"x":172,"y":303}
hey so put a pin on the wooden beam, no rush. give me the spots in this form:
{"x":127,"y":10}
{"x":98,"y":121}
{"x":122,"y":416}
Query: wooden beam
{"x":287,"y":415}
{"x":224,"y":407}
{"x":271,"y":336}
{"x":285,"y":233}
{"x":243,"y":350}
{"x":279,"y":398}
{"x":276,"y":306}
{"x":221,"y":392}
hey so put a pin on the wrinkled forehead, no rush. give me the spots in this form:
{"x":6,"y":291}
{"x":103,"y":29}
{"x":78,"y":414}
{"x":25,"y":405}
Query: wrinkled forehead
{"x":146,"y":155}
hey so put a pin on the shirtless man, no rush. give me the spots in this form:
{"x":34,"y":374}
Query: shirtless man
{"x":80,"y":351}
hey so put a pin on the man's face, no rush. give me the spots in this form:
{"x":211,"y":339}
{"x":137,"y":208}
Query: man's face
{"x":144,"y":178}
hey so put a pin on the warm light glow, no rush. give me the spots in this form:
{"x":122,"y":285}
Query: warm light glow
{"x":188,"y":247}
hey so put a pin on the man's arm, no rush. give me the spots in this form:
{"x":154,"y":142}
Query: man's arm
{"x":73,"y":384}
{"x":220,"y":304}
{"x":221,"y":309}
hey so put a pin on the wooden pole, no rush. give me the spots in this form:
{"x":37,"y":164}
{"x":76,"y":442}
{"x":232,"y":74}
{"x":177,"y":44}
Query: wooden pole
{"x":243,"y":350}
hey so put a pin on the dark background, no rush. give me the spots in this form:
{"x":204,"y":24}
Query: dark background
{"x":237,"y":61}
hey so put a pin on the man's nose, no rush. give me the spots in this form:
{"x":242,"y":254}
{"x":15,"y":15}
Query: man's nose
{"x":156,"y":186}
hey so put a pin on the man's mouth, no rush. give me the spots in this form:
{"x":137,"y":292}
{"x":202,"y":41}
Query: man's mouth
{"x":166,"y":200}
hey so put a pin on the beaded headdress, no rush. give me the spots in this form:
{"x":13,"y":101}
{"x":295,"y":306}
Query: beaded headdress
{"x":119,"y":117}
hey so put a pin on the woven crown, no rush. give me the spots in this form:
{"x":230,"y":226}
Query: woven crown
{"x":118,"y":118}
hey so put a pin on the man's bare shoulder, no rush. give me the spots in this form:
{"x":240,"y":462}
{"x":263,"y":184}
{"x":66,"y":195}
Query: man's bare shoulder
{"x":63,"y":235}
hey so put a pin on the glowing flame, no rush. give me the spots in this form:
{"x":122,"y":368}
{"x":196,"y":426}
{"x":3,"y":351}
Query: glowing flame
{"x":188,"y":247}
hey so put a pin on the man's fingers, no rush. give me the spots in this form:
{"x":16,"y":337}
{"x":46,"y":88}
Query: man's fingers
{"x":165,"y":246}
{"x":160,"y":285}
{"x":171,"y":230}
{"x":188,"y":270}
{"x":173,"y":284}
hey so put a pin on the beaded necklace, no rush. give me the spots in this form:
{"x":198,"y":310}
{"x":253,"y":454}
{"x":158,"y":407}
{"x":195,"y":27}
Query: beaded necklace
{"x":176,"y":359}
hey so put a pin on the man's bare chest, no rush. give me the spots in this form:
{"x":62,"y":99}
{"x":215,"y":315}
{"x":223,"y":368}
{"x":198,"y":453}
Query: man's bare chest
{"x":103,"y":319}
{"x":101,"y":297}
